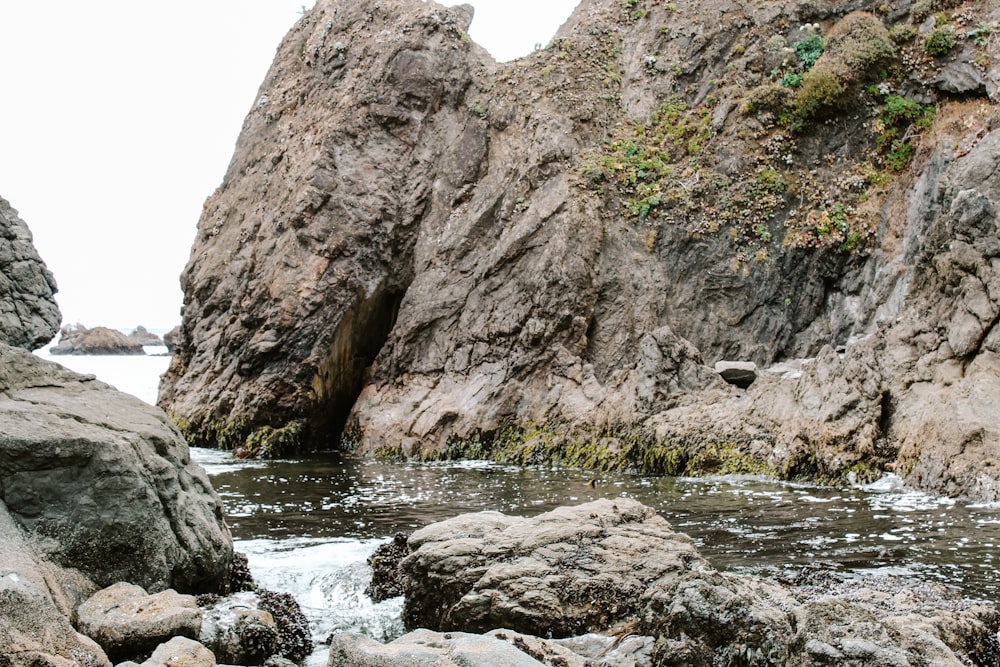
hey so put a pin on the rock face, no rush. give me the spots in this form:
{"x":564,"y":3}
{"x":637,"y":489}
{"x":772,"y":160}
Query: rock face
{"x":616,"y":567}
{"x":445,"y":256}
{"x":78,"y":339}
{"x":103,"y":482}
{"x":29,"y":316}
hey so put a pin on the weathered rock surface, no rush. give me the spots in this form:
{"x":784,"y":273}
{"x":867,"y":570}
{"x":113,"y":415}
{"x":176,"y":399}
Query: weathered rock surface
{"x":172,"y":338}
{"x":424,"y":648}
{"x":567,"y":572}
{"x":624,"y":569}
{"x":29,"y":316}
{"x":181,"y":652}
{"x":128,"y":622}
{"x":78,"y":339}
{"x":104,"y":483}
{"x":435,"y":249}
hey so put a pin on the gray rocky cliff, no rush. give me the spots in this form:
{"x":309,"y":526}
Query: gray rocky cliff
{"x":29,"y":316}
{"x":438,"y":255}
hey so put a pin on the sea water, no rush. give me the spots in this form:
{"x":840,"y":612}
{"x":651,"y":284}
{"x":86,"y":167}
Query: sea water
{"x":308,"y":524}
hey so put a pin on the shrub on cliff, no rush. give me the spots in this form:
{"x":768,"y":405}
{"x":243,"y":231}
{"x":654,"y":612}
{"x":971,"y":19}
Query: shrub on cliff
{"x":853,"y":49}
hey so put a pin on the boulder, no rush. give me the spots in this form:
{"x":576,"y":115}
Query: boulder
{"x":567,"y":572}
{"x":181,"y":652}
{"x":104,"y":483}
{"x":423,"y":648}
{"x":29,"y":316}
{"x":78,"y":339}
{"x":128,"y":622}
{"x":614,"y":567}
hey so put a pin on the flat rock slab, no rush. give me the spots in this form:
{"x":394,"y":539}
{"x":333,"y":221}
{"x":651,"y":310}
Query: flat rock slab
{"x":128,"y":622}
{"x":423,"y":648}
{"x":566,"y":572}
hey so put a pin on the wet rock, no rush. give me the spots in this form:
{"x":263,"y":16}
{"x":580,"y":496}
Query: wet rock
{"x":386,"y":577}
{"x":294,"y":638}
{"x":103,"y":483}
{"x":237,"y":631}
{"x":29,"y":316}
{"x":128,"y":622}
{"x":485,"y":569}
{"x":238,"y":577}
{"x":740,"y":373}
{"x":78,"y":339}
{"x":180,"y":652}
{"x":565,"y":572}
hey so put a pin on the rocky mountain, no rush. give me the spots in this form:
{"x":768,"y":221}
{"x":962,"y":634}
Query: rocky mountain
{"x":29,"y":316}
{"x":419,"y":251}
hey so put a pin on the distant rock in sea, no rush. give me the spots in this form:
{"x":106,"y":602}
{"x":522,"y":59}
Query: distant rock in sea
{"x":143,"y":337}
{"x":78,"y":339}
{"x":172,"y":338}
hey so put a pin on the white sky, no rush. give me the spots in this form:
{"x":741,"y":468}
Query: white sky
{"x":118,"y":119}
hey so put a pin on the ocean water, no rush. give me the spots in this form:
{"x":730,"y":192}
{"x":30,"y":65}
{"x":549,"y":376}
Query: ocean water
{"x":132,"y":374}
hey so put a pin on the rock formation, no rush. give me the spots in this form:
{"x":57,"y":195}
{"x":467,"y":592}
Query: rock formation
{"x":78,"y":339}
{"x":418,"y":250}
{"x":616,"y":567}
{"x":96,"y":487}
{"x":143,"y":337}
{"x":29,"y":316}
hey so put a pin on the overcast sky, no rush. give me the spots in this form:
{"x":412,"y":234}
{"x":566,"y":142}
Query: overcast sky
{"x":118,"y":119}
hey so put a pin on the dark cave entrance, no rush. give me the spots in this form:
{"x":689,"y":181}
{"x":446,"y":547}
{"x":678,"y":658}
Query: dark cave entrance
{"x":362,"y":332}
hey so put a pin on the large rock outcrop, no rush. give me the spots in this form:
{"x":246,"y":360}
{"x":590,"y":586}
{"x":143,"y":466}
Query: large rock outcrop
{"x":543,"y":259}
{"x":29,"y":316}
{"x":103,"y":482}
{"x":616,"y":567}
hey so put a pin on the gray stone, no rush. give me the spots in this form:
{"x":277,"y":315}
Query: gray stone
{"x":961,"y":78}
{"x":103,"y":482}
{"x":128,"y":622}
{"x":423,"y":648}
{"x":565,"y":572}
{"x":180,"y":652}
{"x":29,"y":316}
